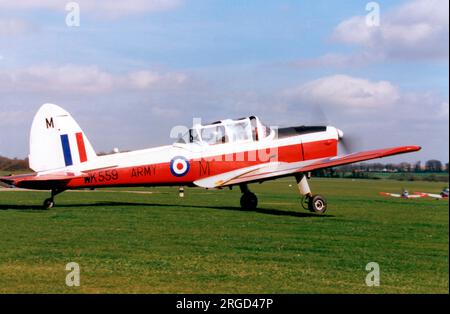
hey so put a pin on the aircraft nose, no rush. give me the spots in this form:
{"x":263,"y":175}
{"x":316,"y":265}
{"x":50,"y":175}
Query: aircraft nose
{"x":340,"y":133}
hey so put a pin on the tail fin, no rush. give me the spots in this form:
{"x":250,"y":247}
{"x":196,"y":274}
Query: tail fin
{"x":57,"y":141}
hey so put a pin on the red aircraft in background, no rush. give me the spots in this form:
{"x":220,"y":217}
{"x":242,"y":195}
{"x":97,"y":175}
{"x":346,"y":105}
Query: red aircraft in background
{"x":222,"y":154}
{"x":405,"y":194}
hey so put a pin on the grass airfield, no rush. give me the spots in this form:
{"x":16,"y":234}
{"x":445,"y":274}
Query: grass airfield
{"x":151,"y":241}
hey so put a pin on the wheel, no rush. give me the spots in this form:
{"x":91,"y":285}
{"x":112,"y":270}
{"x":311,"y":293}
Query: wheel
{"x":317,"y":204}
{"x":48,"y":203}
{"x":249,"y":201}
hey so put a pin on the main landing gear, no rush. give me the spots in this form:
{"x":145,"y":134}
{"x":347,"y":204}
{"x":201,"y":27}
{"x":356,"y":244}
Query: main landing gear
{"x":314,"y":203}
{"x":249,"y":200}
{"x":50,"y":202}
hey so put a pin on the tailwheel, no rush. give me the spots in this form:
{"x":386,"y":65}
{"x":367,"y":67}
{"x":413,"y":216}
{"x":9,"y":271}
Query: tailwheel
{"x":48,"y":203}
{"x":249,"y":201}
{"x":317,"y":204}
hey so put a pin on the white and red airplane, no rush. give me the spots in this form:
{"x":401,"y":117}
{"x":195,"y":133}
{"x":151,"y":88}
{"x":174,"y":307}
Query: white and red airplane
{"x":441,"y":196}
{"x":223,"y":154}
{"x":405,"y":194}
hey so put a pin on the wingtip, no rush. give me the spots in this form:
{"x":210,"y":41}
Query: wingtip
{"x":404,"y":149}
{"x":411,"y":148}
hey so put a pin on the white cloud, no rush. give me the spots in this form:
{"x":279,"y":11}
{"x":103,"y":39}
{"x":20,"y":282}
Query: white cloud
{"x":374,"y":113}
{"x":418,"y":29}
{"x":144,"y":79}
{"x":109,"y":9}
{"x":64,"y":79}
{"x":160,"y":111}
{"x":13,"y":26}
{"x":354,"y":31}
{"x":444,"y":112}
{"x":337,"y":60}
{"x":76,"y":79}
{"x":346,"y":93}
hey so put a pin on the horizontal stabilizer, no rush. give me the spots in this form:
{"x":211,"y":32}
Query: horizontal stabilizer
{"x":40,"y":182}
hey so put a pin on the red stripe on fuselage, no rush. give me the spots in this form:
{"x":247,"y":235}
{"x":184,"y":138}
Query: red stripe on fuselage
{"x":320,"y":149}
{"x":160,"y":174}
{"x":81,"y":147}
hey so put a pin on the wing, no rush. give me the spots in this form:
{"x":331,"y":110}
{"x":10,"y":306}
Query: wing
{"x":390,"y":194}
{"x":40,"y":182}
{"x":361,"y":156}
{"x":275,"y":170}
{"x":415,"y":196}
{"x":437,"y":196}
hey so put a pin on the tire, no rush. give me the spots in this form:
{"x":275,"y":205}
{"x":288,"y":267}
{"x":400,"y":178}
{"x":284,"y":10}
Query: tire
{"x":317,"y":204}
{"x":249,"y":201}
{"x":48,"y":203}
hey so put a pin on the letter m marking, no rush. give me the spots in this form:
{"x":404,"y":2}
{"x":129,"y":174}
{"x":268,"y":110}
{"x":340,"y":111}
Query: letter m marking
{"x":49,"y":124}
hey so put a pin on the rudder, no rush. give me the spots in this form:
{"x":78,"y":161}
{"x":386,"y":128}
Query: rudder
{"x":57,"y":141}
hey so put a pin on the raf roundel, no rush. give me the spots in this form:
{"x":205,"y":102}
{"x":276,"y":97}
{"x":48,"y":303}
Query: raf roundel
{"x":179,"y":166}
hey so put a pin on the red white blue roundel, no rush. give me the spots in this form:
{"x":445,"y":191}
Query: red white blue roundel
{"x":179,"y":166}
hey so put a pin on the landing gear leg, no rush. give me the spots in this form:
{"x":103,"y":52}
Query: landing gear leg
{"x":313,"y":203}
{"x":50,"y":202}
{"x":248,"y":199}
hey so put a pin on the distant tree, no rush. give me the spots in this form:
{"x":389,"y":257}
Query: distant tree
{"x":404,"y":167}
{"x":15,"y":164}
{"x":446,"y":167}
{"x":433,"y":165}
{"x":378,"y":166}
{"x":418,"y":166}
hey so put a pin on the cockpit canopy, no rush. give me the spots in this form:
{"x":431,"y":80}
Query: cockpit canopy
{"x":227,"y":131}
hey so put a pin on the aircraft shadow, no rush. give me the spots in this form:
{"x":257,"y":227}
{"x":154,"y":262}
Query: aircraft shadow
{"x":21,"y":207}
{"x":265,"y":211}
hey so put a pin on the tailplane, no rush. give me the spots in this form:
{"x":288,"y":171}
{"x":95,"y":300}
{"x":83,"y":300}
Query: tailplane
{"x":57,"y":141}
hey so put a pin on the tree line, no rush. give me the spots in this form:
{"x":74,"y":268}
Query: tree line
{"x":7,"y":164}
{"x":432,"y":170}
{"x":431,"y":165}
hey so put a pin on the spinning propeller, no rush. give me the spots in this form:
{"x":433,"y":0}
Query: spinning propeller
{"x":348,"y":143}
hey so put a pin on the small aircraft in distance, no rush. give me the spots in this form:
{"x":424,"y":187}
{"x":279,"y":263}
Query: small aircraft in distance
{"x":225,"y":153}
{"x":405,"y":194}
{"x":443,"y":195}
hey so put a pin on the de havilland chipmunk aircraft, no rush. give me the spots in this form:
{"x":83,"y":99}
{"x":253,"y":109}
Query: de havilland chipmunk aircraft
{"x":226,"y":153}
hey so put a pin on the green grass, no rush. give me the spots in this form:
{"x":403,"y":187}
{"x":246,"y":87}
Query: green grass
{"x":160,"y":243}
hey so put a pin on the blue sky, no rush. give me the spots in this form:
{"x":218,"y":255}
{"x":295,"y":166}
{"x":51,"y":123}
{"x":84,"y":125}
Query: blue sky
{"x":128,"y":74}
